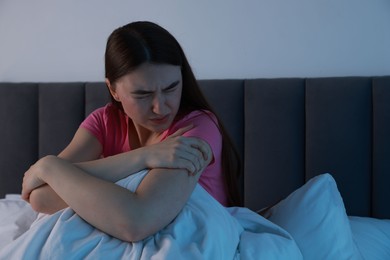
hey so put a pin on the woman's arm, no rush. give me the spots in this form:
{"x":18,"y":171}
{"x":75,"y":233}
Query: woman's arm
{"x":175,"y":152}
{"x":111,"y":208}
{"x":83,"y":147}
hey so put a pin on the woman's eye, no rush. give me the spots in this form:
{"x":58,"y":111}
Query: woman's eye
{"x":169,"y":90}
{"x":172,"y":87}
{"x":141,"y":96}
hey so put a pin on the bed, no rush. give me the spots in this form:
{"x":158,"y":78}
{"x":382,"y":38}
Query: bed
{"x":315,"y":152}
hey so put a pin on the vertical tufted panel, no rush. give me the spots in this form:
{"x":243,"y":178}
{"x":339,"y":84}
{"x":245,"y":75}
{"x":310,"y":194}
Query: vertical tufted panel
{"x":274,"y":140}
{"x":18,"y":133}
{"x":96,"y":95}
{"x":289,"y":129}
{"x":381,"y":147}
{"x":339,"y":137}
{"x":227,"y":99}
{"x":230,"y":108}
{"x":61,"y":110}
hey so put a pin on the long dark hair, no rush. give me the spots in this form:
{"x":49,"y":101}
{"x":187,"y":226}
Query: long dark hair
{"x":139,"y":42}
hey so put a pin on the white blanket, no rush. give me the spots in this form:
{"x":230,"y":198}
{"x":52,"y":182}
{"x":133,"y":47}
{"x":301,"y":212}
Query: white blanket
{"x":203,"y":230}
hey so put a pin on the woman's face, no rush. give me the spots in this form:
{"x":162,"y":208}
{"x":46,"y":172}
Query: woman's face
{"x":150,"y":95}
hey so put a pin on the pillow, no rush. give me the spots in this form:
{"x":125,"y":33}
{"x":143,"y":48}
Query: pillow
{"x":315,"y":217}
{"x":16,"y":217}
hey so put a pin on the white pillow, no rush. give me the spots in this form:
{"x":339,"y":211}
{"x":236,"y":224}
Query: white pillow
{"x":315,"y":217}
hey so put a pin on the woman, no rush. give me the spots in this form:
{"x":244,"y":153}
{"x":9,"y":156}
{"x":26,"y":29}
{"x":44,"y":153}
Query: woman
{"x":157,"y":120}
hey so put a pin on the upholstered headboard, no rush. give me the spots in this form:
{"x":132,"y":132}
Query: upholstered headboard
{"x":287,"y":130}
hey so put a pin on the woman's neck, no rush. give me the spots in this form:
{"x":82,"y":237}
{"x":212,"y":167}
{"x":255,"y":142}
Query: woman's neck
{"x":140,"y":136}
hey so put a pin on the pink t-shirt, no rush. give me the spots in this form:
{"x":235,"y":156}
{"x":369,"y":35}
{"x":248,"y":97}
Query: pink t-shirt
{"x":109,"y":125}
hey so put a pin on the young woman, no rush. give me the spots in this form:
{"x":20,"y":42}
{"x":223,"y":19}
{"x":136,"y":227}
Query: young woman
{"x":158,"y":120}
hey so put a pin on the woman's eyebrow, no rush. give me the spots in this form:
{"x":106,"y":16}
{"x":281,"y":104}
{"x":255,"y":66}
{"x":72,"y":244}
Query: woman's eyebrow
{"x":172,"y":85}
{"x":145,"y":92}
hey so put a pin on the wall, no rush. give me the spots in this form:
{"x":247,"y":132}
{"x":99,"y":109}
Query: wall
{"x":53,"y":40}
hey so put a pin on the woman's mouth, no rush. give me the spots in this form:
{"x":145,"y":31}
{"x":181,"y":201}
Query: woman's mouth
{"x":160,"y":120}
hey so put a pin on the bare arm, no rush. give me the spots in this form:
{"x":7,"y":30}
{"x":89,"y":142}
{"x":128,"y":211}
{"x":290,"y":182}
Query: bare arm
{"x":158,"y":199}
{"x":83,"y":147}
{"x":83,"y":151}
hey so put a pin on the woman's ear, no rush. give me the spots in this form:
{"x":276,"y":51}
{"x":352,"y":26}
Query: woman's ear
{"x":112,"y":90}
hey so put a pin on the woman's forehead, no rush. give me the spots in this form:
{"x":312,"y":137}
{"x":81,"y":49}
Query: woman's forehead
{"x":151,"y":76}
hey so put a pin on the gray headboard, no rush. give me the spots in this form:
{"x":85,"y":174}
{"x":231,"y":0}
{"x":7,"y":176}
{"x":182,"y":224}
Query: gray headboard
{"x":287,"y":130}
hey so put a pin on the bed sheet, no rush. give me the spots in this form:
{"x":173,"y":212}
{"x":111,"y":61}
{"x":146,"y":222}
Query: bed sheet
{"x":16,"y":217}
{"x":372,"y":236}
{"x":204,"y":229}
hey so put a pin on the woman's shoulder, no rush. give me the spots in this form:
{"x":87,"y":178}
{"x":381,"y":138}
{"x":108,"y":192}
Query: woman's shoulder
{"x":108,"y":108}
{"x":204,"y":123}
{"x":107,"y":111}
{"x":198,"y":115}
{"x":103,"y":117}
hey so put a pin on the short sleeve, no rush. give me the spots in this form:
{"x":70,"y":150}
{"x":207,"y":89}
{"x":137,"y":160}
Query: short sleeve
{"x":109,"y":125}
{"x":94,"y":123}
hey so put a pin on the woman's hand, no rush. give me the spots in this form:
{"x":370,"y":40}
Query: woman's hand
{"x":179,"y":152}
{"x":32,"y":178}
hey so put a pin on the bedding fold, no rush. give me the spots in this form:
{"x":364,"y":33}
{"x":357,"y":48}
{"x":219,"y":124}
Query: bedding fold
{"x":204,"y":229}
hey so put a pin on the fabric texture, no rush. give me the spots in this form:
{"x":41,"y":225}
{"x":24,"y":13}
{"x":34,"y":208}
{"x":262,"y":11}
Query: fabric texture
{"x":312,"y":216}
{"x":109,"y":125}
{"x":372,"y":237}
{"x":16,"y":217}
{"x":204,"y":229}
{"x":315,"y":217}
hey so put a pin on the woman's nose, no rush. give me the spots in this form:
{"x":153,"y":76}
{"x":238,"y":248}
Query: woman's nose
{"x":159,"y":105}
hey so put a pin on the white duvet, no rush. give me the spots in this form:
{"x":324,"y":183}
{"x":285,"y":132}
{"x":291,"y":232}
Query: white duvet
{"x":311,"y":223}
{"x":203,"y":230}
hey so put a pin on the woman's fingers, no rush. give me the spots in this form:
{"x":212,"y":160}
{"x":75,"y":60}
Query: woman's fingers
{"x":31,"y":181}
{"x":182,"y":130}
{"x":201,"y":146}
{"x":25,"y":188}
{"x":178,"y":151}
{"x":197,"y":153}
{"x":196,"y":142}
